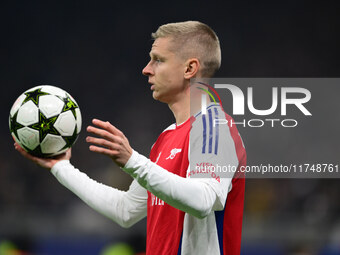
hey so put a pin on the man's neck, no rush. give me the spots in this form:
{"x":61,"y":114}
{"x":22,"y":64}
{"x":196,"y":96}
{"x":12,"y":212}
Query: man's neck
{"x":181,"y":109}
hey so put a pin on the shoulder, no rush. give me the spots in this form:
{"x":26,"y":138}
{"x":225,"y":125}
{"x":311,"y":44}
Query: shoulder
{"x":213,"y":113}
{"x":213,"y":119}
{"x":171,"y":127}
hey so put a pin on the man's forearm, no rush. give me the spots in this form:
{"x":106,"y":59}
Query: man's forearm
{"x":125,"y":208}
{"x":194,"y":196}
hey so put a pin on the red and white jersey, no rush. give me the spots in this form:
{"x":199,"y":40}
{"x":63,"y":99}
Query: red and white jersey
{"x":197,"y":142}
{"x":189,"y":210}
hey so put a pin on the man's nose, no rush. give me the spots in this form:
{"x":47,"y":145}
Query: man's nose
{"x":147,"y":70}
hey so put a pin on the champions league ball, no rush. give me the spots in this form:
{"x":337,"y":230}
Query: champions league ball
{"x":45,"y":121}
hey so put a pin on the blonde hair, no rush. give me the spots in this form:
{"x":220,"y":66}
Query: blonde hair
{"x":193,"y":39}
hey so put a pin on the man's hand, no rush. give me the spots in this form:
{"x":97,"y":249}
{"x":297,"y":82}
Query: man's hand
{"x":111,"y":142}
{"x":44,"y":162}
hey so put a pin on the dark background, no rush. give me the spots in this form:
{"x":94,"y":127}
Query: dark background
{"x":96,"y":51}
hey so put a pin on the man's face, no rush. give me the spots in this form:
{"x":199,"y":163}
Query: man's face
{"x":166,"y":72}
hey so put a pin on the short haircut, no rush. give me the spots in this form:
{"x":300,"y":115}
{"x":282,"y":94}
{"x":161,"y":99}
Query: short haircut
{"x":193,"y":39}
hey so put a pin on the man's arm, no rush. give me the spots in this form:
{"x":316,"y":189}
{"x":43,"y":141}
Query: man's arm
{"x":195,"y":196}
{"x":125,"y":208}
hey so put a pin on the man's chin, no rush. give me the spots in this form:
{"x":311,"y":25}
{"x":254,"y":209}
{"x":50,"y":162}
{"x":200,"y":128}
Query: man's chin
{"x":158,"y":97}
{"x":155,"y":95}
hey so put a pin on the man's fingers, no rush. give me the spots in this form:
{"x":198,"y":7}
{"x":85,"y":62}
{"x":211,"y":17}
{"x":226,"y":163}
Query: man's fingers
{"x":107,"y":126}
{"x":104,"y":134}
{"x":110,"y":141}
{"x":100,"y":132}
{"x":44,"y":162}
{"x":23,"y":152}
{"x":101,"y":142}
{"x":101,"y":150}
{"x":27,"y":155}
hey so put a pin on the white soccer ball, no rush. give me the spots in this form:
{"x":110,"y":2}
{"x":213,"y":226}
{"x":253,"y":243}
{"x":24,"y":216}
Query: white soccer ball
{"x":45,"y":121}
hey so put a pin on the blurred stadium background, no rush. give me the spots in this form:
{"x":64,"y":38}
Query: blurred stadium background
{"x":96,"y":51}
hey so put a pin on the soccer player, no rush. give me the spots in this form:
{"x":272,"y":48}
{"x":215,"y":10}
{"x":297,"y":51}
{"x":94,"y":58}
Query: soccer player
{"x":190,"y":208}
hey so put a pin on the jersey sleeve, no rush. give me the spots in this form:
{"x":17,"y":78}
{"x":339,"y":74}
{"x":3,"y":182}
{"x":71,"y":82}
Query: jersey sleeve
{"x":212,"y":154}
{"x":124,"y":207}
{"x":189,"y":195}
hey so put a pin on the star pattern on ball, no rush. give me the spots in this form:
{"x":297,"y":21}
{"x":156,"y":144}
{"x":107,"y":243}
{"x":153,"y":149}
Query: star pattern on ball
{"x":70,"y":140}
{"x":34,"y":96}
{"x":70,"y":105}
{"x":45,"y":126}
{"x":14,"y":125}
{"x":36,"y":152}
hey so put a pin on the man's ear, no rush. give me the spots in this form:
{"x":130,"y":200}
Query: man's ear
{"x":192,"y":67}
